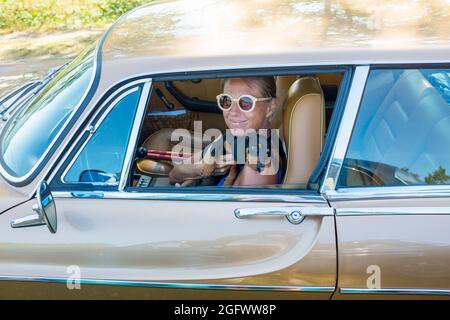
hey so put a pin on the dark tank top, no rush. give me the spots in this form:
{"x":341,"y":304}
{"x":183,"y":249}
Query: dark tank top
{"x":281,"y":167}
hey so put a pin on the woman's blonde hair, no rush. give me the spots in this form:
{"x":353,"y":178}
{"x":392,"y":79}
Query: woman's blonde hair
{"x":266,"y":84}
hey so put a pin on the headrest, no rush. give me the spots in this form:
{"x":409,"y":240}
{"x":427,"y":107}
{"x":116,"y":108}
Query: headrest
{"x":303,"y":128}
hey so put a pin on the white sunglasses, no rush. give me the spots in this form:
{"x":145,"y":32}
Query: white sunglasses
{"x":245,"y":102}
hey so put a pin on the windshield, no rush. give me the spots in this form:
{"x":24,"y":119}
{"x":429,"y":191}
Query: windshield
{"x":31,"y":131}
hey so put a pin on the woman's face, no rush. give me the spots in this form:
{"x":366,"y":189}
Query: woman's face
{"x":238,"y":121}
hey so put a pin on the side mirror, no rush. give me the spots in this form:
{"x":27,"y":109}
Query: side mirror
{"x":45,"y":211}
{"x":47,"y":208}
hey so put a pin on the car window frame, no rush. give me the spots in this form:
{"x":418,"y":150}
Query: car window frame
{"x":123,"y":191}
{"x":13,"y":98}
{"x":329,"y":187}
{"x":83,"y":136}
{"x":94,"y":125}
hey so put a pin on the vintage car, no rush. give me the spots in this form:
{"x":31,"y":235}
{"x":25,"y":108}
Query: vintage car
{"x":363,"y":210}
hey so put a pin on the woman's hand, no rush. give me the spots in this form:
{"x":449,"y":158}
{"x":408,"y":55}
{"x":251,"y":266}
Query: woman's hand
{"x":186,"y":183}
{"x":224,"y":162}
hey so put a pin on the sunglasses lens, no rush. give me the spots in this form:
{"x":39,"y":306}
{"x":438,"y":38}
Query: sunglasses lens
{"x":225,"y":102}
{"x":246,"y":103}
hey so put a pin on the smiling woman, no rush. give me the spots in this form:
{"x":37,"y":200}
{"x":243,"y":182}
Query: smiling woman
{"x":255,"y":105}
{"x":248,"y":104}
{"x":248,"y":92}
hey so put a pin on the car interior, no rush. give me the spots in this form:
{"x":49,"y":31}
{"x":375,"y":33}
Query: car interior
{"x":305,"y":107}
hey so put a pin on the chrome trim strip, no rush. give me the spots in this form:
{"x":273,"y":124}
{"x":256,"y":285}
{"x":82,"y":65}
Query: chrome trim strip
{"x":110,"y":107}
{"x":131,"y":148}
{"x":399,"y":192}
{"x":14,"y":179}
{"x":174,"y":285}
{"x":9,"y":113}
{"x":283,"y":211}
{"x":96,"y":125}
{"x":345,"y":128}
{"x":393,"y":211}
{"x":14,"y":101}
{"x":15,"y":92}
{"x":167,"y":113}
{"x":399,"y":291}
{"x":211,"y":196}
{"x":180,"y":196}
{"x":25,"y":100}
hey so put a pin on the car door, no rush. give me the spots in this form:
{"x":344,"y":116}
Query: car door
{"x":113,"y":242}
{"x":389,"y":184}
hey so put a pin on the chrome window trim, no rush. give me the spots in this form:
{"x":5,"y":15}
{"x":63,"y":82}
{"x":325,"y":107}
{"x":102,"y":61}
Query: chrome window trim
{"x":232,"y":197}
{"x":96,"y":125}
{"x":18,"y":104}
{"x":131,"y":148}
{"x":392,"y":211}
{"x":14,"y":179}
{"x":174,"y":285}
{"x":194,"y":196}
{"x":18,"y":95}
{"x":400,"y":192}
{"x":398,"y":291}
{"x":147,"y":76}
{"x":88,"y":115}
{"x":14,"y":92}
{"x":345,"y":128}
{"x":105,"y":113}
{"x":329,"y":190}
{"x":177,"y":112}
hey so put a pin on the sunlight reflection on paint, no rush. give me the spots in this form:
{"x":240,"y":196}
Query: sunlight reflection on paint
{"x":186,"y":28}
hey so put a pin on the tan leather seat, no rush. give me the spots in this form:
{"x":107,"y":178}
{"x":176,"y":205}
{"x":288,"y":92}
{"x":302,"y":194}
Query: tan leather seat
{"x":303,"y":129}
{"x":162,"y":140}
{"x":409,"y":129}
{"x":283,"y":85}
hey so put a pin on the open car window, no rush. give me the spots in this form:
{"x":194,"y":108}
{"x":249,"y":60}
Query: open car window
{"x":183,"y":121}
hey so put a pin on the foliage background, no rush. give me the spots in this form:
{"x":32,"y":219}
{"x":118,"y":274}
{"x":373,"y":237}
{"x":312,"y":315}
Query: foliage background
{"x":36,"y":35}
{"x":51,"y":15}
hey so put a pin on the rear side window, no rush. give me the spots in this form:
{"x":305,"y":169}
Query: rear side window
{"x":402,"y":131}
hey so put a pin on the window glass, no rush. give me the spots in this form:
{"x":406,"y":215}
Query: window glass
{"x":33,"y":129}
{"x":102,"y":158}
{"x":402,"y":132}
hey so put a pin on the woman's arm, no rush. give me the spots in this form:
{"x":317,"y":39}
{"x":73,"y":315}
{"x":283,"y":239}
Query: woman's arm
{"x":268,"y":175}
{"x":249,"y":176}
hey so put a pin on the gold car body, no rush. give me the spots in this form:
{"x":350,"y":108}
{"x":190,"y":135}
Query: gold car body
{"x":162,"y":245}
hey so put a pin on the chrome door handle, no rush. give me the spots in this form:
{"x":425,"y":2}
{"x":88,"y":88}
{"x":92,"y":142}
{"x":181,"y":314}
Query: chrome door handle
{"x":295,"y":215}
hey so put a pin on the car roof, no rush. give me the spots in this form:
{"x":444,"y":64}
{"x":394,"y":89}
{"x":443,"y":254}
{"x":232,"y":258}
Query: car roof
{"x":182,"y":35}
